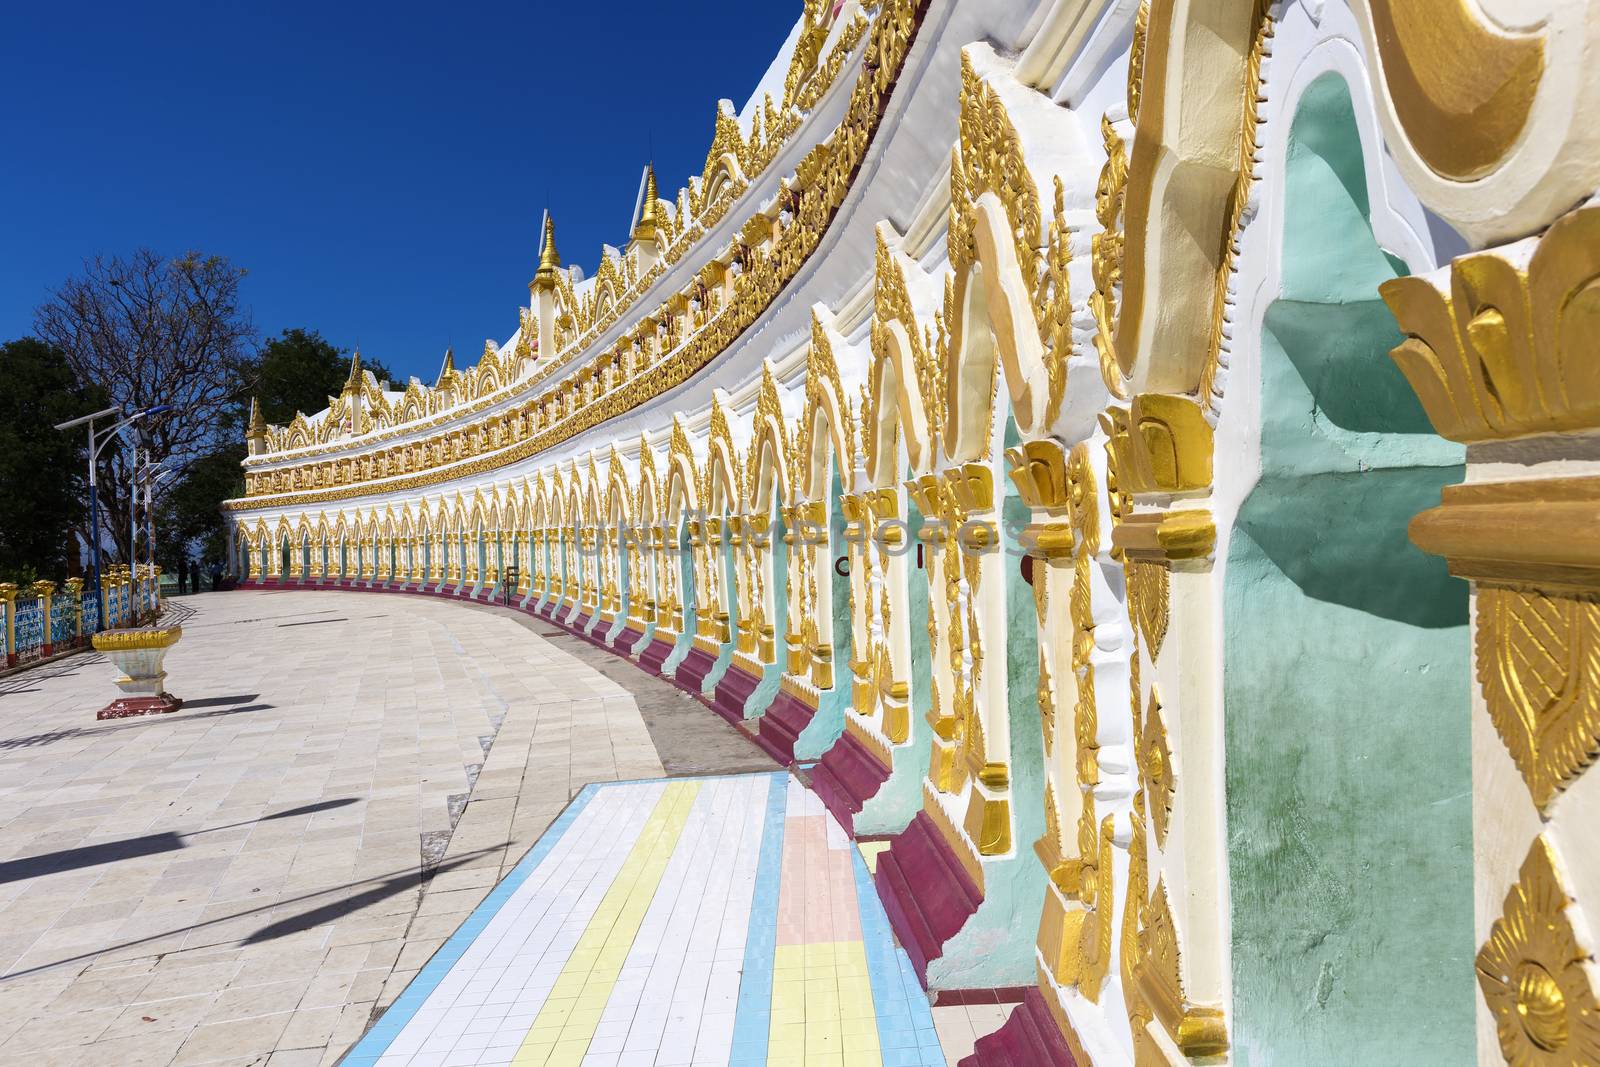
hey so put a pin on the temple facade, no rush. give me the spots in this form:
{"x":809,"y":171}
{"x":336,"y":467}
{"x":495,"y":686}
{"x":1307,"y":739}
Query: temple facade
{"x":1136,"y":458}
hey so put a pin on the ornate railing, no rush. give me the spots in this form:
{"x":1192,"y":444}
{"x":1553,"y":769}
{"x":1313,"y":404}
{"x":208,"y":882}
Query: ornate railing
{"x":44,"y":620}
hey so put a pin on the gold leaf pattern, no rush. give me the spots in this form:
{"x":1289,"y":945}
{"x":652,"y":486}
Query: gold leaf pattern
{"x":1155,"y":768}
{"x":1539,"y":664}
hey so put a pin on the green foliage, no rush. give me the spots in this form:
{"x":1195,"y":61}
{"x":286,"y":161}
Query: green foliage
{"x":189,"y":523}
{"x":297,"y":371}
{"x":45,"y":500}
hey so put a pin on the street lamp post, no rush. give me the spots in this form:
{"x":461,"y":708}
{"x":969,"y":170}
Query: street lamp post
{"x":146,"y":477}
{"x":96,"y":443}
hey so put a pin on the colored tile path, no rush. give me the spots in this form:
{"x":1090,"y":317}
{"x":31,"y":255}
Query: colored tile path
{"x":695,"y":921}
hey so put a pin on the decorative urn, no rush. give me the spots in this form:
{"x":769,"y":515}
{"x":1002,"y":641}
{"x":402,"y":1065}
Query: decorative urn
{"x":139,"y":653}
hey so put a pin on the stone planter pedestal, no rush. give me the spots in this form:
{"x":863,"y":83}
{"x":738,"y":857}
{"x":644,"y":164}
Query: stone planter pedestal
{"x":139,"y":653}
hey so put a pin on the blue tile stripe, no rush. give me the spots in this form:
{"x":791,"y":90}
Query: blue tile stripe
{"x":753,"y":1017}
{"x":906,"y":1036}
{"x":378,"y":1039}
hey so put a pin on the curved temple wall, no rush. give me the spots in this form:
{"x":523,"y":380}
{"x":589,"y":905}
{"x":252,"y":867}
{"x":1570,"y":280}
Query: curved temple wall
{"x":1021,"y":430}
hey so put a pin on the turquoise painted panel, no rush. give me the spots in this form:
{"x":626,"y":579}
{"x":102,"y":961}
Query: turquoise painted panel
{"x":772,"y":677}
{"x":996,"y":946}
{"x":1345,"y":668}
{"x":828,"y":723}
{"x":899,"y":799}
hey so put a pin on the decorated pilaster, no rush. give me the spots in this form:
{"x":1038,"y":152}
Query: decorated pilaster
{"x":1501,"y":351}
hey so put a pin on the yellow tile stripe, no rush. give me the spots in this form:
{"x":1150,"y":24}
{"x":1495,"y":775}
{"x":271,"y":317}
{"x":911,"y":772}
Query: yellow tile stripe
{"x":822,"y":1014}
{"x":566,"y":1024}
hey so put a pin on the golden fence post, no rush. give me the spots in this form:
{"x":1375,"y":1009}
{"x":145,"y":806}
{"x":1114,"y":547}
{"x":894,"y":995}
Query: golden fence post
{"x":45,"y":590}
{"x":8,"y":605}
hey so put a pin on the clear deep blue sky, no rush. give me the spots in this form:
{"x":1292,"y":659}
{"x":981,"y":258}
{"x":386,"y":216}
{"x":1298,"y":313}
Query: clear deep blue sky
{"x":380,"y":170}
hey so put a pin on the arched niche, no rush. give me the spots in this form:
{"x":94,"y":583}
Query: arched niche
{"x":1337,"y":812}
{"x":994,"y":330}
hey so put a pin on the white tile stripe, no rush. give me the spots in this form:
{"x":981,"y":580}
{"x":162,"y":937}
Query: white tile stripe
{"x":675,"y":999}
{"x":516,"y":958}
{"x":673,"y":956}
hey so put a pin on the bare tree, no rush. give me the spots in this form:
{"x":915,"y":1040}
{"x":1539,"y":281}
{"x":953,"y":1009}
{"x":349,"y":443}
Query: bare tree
{"x":151,"y":330}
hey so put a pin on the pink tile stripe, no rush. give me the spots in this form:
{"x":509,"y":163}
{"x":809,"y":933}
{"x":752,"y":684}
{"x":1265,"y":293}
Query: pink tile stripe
{"x":817,"y":898}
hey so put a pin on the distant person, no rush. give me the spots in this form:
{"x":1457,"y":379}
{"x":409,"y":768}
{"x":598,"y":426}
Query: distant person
{"x":216,"y":577}
{"x":183,"y":577}
{"x":194,"y":569}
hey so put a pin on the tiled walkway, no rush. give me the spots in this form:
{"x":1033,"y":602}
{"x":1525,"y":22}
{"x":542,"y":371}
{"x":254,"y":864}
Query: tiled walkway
{"x":724,"y":920}
{"x":246,"y":882}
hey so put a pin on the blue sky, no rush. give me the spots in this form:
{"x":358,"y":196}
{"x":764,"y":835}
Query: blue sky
{"x":381,"y":170}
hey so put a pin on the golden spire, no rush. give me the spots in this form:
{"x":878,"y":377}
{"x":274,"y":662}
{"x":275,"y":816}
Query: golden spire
{"x":549,"y":258}
{"x":449,"y":368}
{"x":354,"y":381}
{"x":646,"y":229}
{"x":258,"y":425}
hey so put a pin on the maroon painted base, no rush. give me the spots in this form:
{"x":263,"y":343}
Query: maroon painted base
{"x":925,"y":890}
{"x":1029,"y":1038}
{"x":655,"y":654}
{"x":692,"y":671}
{"x":733,"y":691}
{"x":781,"y":725}
{"x":128,"y":707}
{"x":847,"y":776}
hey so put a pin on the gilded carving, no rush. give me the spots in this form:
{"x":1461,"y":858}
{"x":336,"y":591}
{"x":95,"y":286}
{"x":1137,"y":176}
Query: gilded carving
{"x":1461,"y":89}
{"x":1156,"y":770}
{"x":1535,"y":974}
{"x":990,"y":160}
{"x":1150,"y":601}
{"x":823,"y":180}
{"x":1200,"y":250}
{"x":1507,"y":350}
{"x":1538,"y":656}
{"x":1198,"y":1031}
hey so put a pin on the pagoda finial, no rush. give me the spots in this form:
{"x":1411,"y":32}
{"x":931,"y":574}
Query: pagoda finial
{"x":354,"y":381}
{"x":549,"y":258}
{"x":448,"y":368}
{"x":258,"y":425}
{"x":648,"y":226}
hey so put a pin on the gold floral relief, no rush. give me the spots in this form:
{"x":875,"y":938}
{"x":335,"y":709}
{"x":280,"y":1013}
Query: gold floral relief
{"x":1051,"y":848}
{"x":1535,"y":975}
{"x":1137,"y":892}
{"x":1096,"y":936}
{"x":1047,"y":704}
{"x":1106,"y":247}
{"x":1150,"y":602}
{"x":1052,"y":302}
{"x":1538,"y":658}
{"x":1155,"y":769}
{"x":1507,"y":350}
{"x":1198,"y":1031}
{"x":991,"y":160}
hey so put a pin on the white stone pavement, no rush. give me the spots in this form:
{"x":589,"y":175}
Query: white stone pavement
{"x":240,"y":883}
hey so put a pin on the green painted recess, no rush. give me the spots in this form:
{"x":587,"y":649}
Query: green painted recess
{"x":828,"y":723}
{"x":996,"y":946}
{"x":1347,"y":726}
{"x":778,"y":578}
{"x":897,"y":801}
